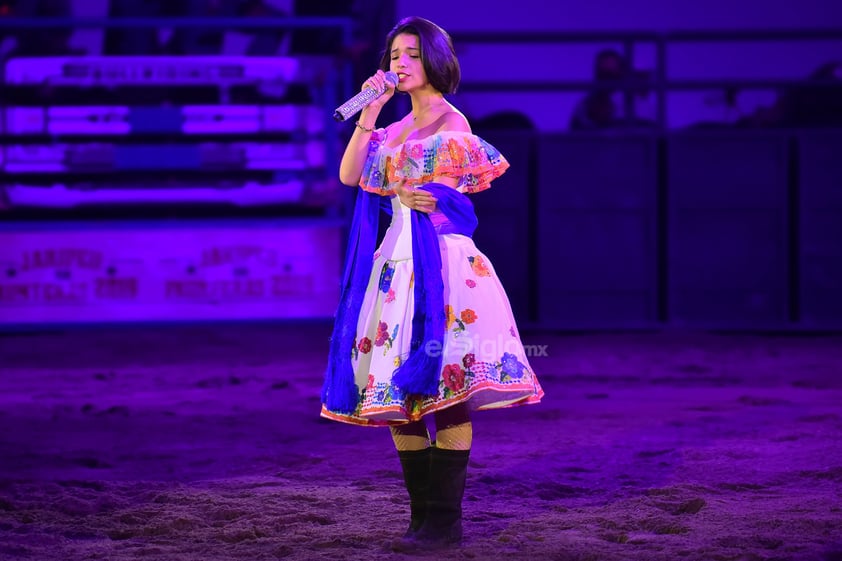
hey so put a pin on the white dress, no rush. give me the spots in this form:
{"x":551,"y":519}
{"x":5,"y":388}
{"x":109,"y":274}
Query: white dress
{"x":483,"y":360}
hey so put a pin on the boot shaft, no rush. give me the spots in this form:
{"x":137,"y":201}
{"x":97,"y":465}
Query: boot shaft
{"x":415,"y":465}
{"x":448,"y":472}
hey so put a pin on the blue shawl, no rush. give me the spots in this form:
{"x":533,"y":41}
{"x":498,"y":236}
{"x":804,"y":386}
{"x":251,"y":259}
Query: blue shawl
{"x":419,"y":373}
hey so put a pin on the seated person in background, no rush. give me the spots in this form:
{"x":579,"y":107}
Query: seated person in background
{"x":599,"y":109}
{"x":604,"y":106}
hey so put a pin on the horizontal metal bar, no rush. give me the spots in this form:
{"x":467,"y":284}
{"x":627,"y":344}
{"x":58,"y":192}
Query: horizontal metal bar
{"x":580,"y":85}
{"x":502,"y":36}
{"x":531,"y":37}
{"x":754,"y":34}
{"x":205,"y":23}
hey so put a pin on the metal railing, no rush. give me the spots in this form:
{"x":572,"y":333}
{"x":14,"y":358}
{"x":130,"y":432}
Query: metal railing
{"x":659,"y":83}
{"x":343,"y":25}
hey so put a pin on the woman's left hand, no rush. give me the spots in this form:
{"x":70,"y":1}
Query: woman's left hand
{"x":416,"y":199}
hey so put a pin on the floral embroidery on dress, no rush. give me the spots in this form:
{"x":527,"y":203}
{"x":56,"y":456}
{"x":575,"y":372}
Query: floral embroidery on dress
{"x":386,"y":277}
{"x":454,"y":379}
{"x":385,"y":394}
{"x":465,"y":318}
{"x":510,"y":367}
{"x":383,"y":337}
{"x":449,"y":316}
{"x":462,"y":155}
{"x":468,"y":316}
{"x":468,"y":360}
{"x":478,"y":265}
{"x":471,"y":314}
{"x":416,"y":151}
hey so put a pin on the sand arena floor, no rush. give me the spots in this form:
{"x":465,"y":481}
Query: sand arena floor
{"x":204,"y":443}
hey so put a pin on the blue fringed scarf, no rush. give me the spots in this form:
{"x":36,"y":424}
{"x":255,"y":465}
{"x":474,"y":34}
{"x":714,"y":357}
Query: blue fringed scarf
{"x":419,"y":374}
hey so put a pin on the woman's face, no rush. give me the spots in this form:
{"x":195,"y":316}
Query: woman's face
{"x":406,"y":62}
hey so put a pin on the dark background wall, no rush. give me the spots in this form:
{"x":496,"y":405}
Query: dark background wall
{"x":725,"y":216}
{"x":709,"y":200}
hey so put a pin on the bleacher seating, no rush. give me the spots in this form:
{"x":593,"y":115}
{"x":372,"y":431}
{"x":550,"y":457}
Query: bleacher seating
{"x":167,"y":188}
{"x":71,"y":138}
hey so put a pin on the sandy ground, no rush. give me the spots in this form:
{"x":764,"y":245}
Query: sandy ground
{"x":204,"y":443}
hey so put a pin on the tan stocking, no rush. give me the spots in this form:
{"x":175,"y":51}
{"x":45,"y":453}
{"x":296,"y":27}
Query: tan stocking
{"x":455,"y":437}
{"x":411,"y":436}
{"x":453,"y":428}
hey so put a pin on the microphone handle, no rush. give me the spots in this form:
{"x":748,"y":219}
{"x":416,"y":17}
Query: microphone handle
{"x":356,"y":104}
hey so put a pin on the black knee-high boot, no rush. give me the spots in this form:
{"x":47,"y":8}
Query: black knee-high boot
{"x":416,"y":474}
{"x":443,"y":519}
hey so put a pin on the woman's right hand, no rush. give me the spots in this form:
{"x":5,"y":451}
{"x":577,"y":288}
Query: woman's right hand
{"x":378,"y":82}
{"x":415,"y":198}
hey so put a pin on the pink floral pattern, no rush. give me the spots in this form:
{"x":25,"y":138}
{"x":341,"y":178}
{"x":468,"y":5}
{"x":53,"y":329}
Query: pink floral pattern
{"x":465,"y":156}
{"x":483,"y":361}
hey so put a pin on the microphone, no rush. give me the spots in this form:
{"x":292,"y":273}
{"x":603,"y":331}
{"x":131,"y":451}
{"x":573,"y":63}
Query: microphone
{"x":356,"y":103}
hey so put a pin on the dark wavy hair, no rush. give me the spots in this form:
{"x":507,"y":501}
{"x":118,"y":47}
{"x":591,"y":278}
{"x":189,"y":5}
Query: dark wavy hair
{"x":437,"y":53}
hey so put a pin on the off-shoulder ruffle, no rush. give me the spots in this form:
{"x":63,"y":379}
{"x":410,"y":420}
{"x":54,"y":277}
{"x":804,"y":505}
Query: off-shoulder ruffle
{"x":462,"y":155}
